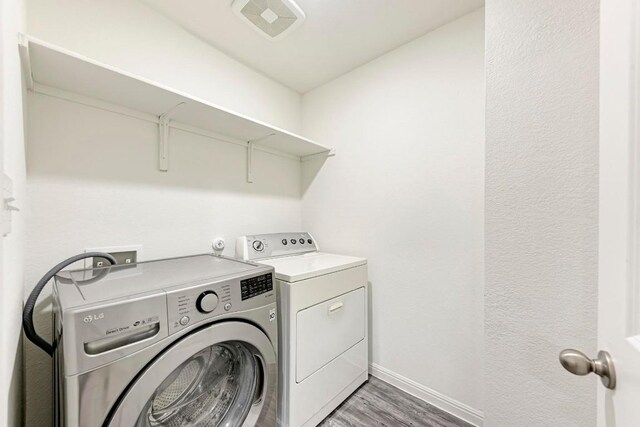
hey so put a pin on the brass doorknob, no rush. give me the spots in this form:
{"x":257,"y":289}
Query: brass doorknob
{"x":579,"y":363}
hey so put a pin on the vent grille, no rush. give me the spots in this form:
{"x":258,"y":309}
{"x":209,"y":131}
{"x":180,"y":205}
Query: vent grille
{"x":274,"y":19}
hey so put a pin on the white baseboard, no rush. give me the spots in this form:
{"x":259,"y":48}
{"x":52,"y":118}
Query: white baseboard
{"x":432,"y":397}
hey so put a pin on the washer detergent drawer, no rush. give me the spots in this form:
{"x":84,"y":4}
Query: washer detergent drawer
{"x":328,"y":329}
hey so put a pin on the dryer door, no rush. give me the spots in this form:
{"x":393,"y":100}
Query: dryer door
{"x":222,"y":375}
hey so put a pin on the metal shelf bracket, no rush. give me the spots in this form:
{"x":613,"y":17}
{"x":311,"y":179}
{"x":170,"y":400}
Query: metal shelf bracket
{"x":250,"y":145}
{"x":163,"y":143}
{"x":324,"y":155}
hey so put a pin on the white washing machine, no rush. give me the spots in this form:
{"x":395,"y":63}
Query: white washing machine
{"x":322,"y":311}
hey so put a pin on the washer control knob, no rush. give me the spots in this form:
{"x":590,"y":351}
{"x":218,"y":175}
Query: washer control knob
{"x":184,"y":320}
{"x":207,"y":302}
{"x":258,"y":245}
{"x":227,"y":306}
{"x":284,"y":242}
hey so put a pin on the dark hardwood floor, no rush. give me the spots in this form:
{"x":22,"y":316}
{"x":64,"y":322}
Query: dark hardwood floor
{"x":377,"y":403}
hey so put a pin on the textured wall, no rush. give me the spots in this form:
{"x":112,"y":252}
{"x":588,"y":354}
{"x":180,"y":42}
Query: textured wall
{"x":541,"y":209}
{"x":131,"y":36}
{"x":92,"y":175}
{"x":405,"y":190}
{"x":93,"y":181}
{"x":12,"y":20}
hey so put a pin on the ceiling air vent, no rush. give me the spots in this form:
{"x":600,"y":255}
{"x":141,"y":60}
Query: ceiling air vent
{"x":274,"y":19}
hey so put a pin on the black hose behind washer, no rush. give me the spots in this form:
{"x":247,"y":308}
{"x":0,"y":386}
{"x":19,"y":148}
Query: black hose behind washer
{"x":27,"y":313}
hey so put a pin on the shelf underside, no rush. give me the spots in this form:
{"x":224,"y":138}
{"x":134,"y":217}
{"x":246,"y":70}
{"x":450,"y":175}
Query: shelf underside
{"x":54,"y":67}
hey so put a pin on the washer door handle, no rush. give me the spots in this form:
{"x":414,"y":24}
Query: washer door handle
{"x":110,"y":343}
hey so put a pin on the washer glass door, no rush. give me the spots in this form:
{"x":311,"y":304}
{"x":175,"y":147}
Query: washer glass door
{"x":222,"y":375}
{"x":214,"y":387}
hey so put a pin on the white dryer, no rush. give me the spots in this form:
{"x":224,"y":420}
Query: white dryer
{"x":322,"y":311}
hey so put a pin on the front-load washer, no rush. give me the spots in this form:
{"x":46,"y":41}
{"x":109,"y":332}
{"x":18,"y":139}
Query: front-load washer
{"x":188,"y":341}
{"x":322,"y":304}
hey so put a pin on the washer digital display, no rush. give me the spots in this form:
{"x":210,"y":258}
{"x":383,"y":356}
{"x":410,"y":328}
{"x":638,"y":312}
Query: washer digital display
{"x":255,"y":286}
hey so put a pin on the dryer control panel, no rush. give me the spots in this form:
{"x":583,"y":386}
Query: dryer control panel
{"x":261,"y":246}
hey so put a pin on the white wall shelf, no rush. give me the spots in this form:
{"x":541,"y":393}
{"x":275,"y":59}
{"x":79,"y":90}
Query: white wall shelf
{"x":55,"y":71}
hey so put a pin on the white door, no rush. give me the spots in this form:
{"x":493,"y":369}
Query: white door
{"x":619,"y":231}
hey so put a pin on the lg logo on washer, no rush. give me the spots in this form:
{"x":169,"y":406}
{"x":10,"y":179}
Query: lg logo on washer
{"x":90,"y":318}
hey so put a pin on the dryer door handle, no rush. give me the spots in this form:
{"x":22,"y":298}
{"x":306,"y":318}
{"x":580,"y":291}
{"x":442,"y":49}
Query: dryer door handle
{"x":335,"y":307}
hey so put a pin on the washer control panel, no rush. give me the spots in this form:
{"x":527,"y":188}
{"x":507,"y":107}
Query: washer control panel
{"x":189,"y":305}
{"x":260,"y":246}
{"x":255,"y":286}
{"x":207,"y":302}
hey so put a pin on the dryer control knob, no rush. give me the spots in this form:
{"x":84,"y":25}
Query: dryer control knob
{"x":207,"y":302}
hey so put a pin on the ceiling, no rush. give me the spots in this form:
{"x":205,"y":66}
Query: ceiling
{"x":337,"y":36}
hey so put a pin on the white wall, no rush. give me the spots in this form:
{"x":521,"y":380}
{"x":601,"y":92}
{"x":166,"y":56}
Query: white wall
{"x":129,"y":35}
{"x":12,"y":19}
{"x":541,"y":209}
{"x":406,"y":191}
{"x":93,"y":181}
{"x":92,"y":175}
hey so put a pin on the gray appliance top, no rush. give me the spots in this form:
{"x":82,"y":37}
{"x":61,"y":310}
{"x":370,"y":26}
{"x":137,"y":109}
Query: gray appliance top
{"x":93,"y":285}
